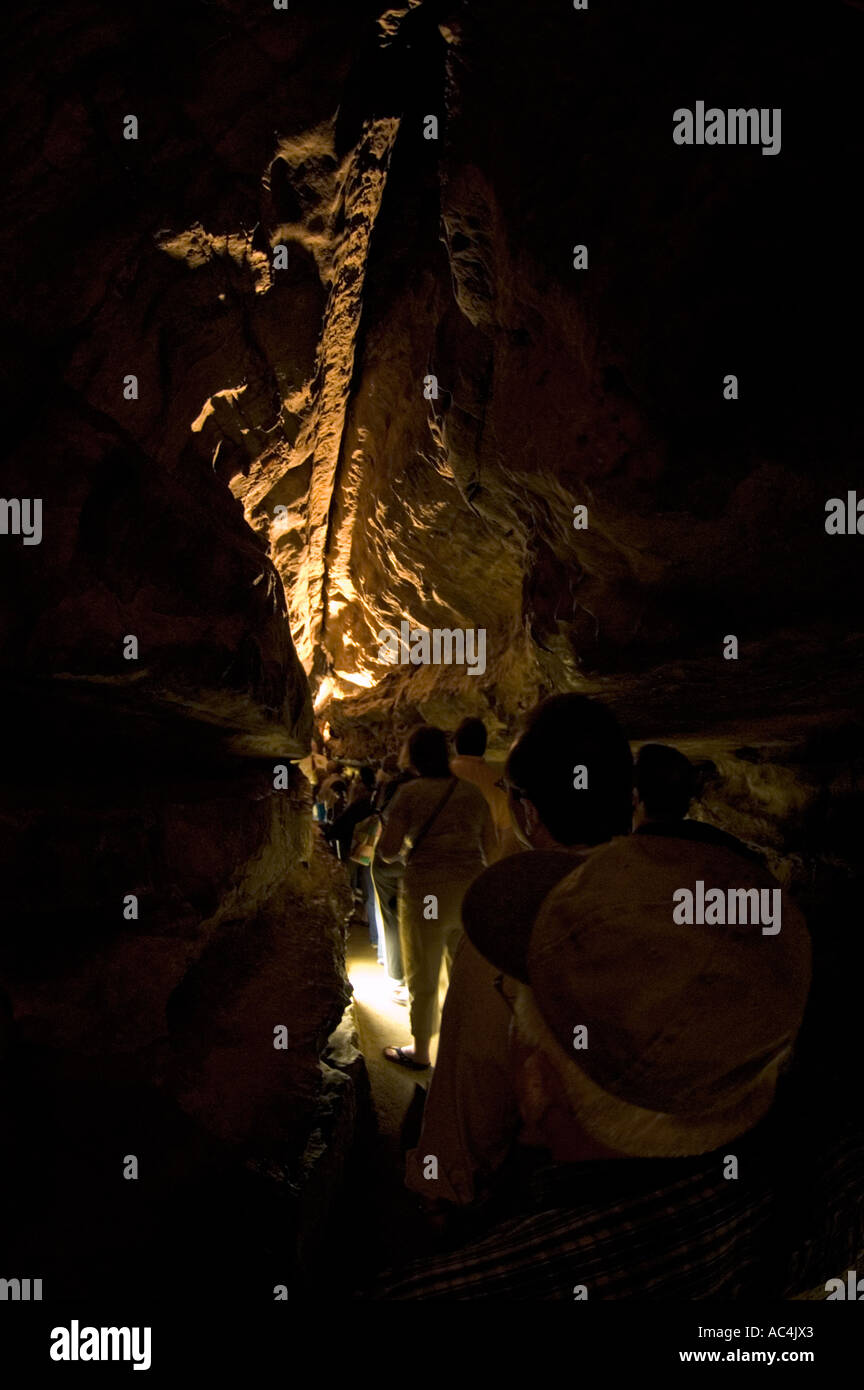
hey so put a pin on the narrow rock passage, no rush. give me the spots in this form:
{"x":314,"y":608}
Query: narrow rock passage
{"x":393,"y":1227}
{"x":381,"y":1022}
{"x":380,"y":366}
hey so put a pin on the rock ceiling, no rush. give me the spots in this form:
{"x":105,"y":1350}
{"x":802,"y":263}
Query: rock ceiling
{"x":555,"y":386}
{"x":283,"y":258}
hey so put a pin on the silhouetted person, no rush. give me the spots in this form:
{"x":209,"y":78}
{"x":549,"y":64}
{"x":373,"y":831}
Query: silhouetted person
{"x":333,"y":791}
{"x":359,"y":807}
{"x":470,"y":764}
{"x":471,"y":1118}
{"x":441,"y":827}
{"x":386,"y":773}
{"x":664,"y":784}
{"x":387,"y":877}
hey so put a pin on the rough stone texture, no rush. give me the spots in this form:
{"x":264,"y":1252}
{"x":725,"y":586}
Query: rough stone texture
{"x":604,"y":387}
{"x":155,"y":776}
{"x":303,"y":386}
{"x":280,"y":489}
{"x":155,"y":1037}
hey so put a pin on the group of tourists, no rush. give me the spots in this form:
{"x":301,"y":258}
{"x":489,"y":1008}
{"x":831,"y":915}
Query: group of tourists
{"x":415,"y":833}
{"x":582,"y":1025}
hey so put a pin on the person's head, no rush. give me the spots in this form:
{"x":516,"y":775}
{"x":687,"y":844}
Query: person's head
{"x":390,"y":763}
{"x":470,"y":738}
{"x":569,"y":775}
{"x":664,"y":784}
{"x":366,"y":778}
{"x":427,"y":752}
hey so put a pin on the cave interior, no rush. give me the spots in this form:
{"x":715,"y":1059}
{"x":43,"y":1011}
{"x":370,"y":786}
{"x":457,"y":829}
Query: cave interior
{"x":298,"y":348}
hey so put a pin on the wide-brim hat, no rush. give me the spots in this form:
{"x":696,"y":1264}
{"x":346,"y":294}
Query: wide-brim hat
{"x":687,"y":1026}
{"x":500,"y":907}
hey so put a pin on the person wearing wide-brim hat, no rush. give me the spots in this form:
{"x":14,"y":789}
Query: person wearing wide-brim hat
{"x":471,"y":1118}
{"x":636,"y":1034}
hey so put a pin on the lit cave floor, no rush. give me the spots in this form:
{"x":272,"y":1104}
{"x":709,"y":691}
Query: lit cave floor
{"x":381,"y":1022}
{"x":393,"y":1232}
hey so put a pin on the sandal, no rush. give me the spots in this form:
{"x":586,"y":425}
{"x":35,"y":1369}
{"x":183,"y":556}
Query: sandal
{"x":396,"y":1054}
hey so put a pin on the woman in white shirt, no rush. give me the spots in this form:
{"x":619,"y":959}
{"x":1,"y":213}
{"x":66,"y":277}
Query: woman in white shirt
{"x":442,"y":829}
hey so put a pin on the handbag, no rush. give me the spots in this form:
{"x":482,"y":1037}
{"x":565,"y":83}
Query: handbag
{"x":366,"y":836}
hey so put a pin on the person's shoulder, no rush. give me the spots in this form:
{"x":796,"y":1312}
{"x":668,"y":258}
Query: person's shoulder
{"x":669,"y":852}
{"x":465,"y":771}
{"x":471,"y":794}
{"x":702,"y":832}
{"x":405,"y":794}
{"x":468,"y":791}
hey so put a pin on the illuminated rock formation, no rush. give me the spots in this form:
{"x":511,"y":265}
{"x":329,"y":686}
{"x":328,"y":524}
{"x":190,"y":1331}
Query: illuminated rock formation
{"x":221,"y":341}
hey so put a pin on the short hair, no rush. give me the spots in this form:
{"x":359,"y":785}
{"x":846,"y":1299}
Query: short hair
{"x":367,"y":776}
{"x":427,"y":750}
{"x":470,"y":737}
{"x":665,"y":781}
{"x":562,"y":733}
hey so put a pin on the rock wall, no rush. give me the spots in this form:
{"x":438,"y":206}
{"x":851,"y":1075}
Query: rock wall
{"x":166,"y":909}
{"x":601,"y":386}
{"x":284,"y":259}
